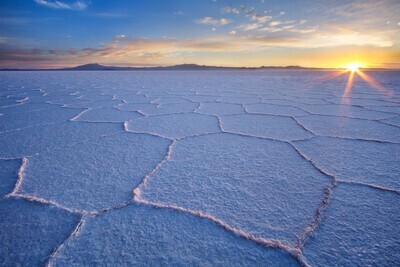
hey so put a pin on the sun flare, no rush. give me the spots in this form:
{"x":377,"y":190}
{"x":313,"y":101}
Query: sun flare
{"x":353,"y":66}
{"x":354,"y":70}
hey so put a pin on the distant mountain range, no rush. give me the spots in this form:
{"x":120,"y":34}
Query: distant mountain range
{"x":96,"y":66}
{"x":182,"y":67}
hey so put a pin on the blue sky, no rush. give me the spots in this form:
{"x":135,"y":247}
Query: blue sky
{"x":48,"y":33}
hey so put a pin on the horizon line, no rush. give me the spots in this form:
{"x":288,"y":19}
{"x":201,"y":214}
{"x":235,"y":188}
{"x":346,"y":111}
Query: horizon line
{"x":166,"y":67}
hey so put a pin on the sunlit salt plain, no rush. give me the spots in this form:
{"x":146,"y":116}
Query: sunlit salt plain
{"x":273,"y":168}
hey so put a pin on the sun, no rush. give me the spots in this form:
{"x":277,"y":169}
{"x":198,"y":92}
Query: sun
{"x":354,"y":66}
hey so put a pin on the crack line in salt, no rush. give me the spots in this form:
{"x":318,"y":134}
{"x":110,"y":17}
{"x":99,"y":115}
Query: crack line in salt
{"x":74,"y":234}
{"x":126,"y":129}
{"x":175,"y":113}
{"x":302,"y":126}
{"x":20,"y":177}
{"x":319,"y":214}
{"x":368,"y":185}
{"x":77,"y":116}
{"x":360,"y":139}
{"x":343,"y":116}
{"x":137,"y":191}
{"x":50,"y":202}
{"x":268,"y":138}
{"x":388,"y":123}
{"x":268,"y":243}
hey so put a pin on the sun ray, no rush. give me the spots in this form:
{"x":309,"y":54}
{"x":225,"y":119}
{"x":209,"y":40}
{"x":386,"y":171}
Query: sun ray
{"x":347,"y":90}
{"x":375,"y":84}
{"x":332,"y":75}
{"x":329,"y":76}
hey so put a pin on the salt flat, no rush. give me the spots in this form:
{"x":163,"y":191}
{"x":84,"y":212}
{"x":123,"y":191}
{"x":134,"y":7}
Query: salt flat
{"x":232,"y":168}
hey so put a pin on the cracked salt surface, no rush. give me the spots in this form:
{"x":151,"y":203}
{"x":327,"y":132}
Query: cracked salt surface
{"x":20,"y":120}
{"x":171,"y":100}
{"x":94,"y":104}
{"x":361,"y":161}
{"x":134,"y":98}
{"x":36,"y":139}
{"x":134,"y":106}
{"x":220,"y":109}
{"x":96,"y":174}
{"x":146,"y":236}
{"x":345,"y":111}
{"x":26,"y":107}
{"x":395,"y":121}
{"x":30,"y":231}
{"x":106,"y":114}
{"x":214,"y":181}
{"x":270,"y":109}
{"x":165,"y":109}
{"x":266,"y":126}
{"x":175,"y":125}
{"x":361,"y":228}
{"x":350,"y":128}
{"x":198,"y":168}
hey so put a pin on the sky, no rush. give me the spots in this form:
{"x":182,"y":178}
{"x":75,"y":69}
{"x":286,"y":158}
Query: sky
{"x":309,"y":33}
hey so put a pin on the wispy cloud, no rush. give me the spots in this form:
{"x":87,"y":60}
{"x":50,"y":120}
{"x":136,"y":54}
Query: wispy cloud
{"x":255,"y":18}
{"x":249,"y":26}
{"x":288,"y":27}
{"x":275,"y":23}
{"x":270,"y":29}
{"x":303,"y":31}
{"x":288,"y":24}
{"x":261,"y":23}
{"x":261,"y":18}
{"x":213,"y":21}
{"x":71,"y":5}
{"x":248,"y":12}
